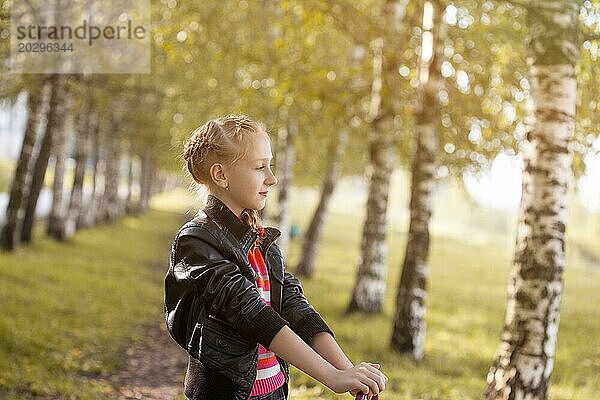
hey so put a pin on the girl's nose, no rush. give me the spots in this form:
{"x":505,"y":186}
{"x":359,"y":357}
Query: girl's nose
{"x":271,"y":179}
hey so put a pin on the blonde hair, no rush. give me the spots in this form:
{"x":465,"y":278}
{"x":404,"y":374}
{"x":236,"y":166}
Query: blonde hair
{"x":221,"y":140}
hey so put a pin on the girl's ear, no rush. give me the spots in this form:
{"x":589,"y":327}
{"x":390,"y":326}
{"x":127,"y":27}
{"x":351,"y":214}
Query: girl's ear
{"x":217,"y":174}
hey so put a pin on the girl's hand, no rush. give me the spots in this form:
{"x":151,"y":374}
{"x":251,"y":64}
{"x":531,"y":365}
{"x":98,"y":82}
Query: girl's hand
{"x":364,"y":378}
{"x":358,"y":395}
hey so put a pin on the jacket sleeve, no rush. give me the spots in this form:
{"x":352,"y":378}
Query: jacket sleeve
{"x":304,"y":320}
{"x":223,"y":290}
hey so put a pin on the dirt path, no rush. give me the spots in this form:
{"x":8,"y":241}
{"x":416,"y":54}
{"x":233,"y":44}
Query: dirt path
{"x":154,"y":369}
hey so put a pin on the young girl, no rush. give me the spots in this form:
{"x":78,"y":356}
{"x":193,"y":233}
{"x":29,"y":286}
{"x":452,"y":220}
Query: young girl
{"x":228,"y":300}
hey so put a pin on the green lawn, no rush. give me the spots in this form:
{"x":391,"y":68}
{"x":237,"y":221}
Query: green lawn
{"x":465,"y":308}
{"x":70,"y":309}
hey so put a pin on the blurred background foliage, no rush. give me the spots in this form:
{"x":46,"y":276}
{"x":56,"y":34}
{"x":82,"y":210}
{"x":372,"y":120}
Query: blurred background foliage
{"x":305,"y":69}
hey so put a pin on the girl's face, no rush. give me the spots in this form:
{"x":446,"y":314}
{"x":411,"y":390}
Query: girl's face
{"x":250,"y":177}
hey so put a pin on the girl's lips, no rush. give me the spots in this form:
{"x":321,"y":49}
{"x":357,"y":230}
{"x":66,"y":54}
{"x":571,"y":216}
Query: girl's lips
{"x":263,"y":193}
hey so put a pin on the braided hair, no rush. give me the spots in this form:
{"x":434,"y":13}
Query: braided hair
{"x":220,"y":140}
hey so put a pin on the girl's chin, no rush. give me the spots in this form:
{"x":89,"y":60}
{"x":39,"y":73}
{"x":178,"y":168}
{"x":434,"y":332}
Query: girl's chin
{"x":258,"y":205}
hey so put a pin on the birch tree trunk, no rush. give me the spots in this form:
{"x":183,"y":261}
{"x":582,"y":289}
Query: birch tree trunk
{"x":285,"y":167}
{"x":525,"y":359}
{"x":57,"y":217}
{"x":110,"y":209}
{"x":310,"y":245}
{"x":369,"y":289}
{"x":159,"y":181}
{"x":130,"y":206}
{"x":90,"y":214}
{"x":74,"y":218}
{"x":408,"y":335}
{"x":145,"y":179}
{"x":15,"y":211}
{"x":55,"y":118}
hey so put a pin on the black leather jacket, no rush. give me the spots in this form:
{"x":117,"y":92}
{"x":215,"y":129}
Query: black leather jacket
{"x":214,"y":310}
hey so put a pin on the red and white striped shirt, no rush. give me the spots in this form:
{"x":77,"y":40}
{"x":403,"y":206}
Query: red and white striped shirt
{"x":269,"y":375}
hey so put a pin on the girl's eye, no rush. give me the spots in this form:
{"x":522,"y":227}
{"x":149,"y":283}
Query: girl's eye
{"x":264,"y":166}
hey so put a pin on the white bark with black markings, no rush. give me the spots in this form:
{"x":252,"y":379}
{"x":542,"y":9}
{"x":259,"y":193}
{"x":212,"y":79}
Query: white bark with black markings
{"x":57,"y":217}
{"x":55,"y":122}
{"x":37,"y":104}
{"x":285,"y":171}
{"x":369,"y":289}
{"x":525,"y":359}
{"x":408,"y":335}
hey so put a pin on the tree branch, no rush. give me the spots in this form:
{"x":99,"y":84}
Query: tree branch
{"x":519,"y":3}
{"x":531,"y":5}
{"x":591,"y":36}
{"x":349,"y":21}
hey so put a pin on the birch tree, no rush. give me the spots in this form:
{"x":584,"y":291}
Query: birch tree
{"x":90,"y":215}
{"x":305,"y":266}
{"x":408,"y":334}
{"x":55,"y":123}
{"x":146,"y":178}
{"x":285,"y":166}
{"x":37,"y":103}
{"x":57,"y":217}
{"x":110,"y":204}
{"x":525,"y":359}
{"x":85,"y":125}
{"x":369,"y":289}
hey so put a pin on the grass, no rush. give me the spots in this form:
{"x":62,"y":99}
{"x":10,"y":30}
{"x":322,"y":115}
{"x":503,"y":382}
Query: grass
{"x":465,"y":308}
{"x":69,"y":310}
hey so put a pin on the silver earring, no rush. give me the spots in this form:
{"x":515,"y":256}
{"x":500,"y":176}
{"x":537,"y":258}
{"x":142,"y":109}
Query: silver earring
{"x":227,"y":187}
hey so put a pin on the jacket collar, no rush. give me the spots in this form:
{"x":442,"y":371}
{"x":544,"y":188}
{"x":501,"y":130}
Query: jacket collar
{"x":220,"y":213}
{"x":244,"y":234}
